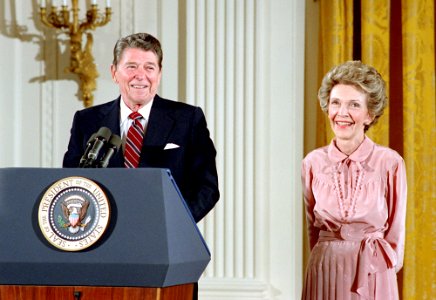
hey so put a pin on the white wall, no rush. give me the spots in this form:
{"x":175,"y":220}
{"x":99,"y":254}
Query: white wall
{"x":243,"y":63}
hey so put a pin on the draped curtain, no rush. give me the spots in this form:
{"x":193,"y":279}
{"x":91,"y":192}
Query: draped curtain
{"x":398,"y":39}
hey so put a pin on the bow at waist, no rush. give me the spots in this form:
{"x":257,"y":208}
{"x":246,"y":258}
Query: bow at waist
{"x":375,"y":254}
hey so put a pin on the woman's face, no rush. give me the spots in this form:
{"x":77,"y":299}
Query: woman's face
{"x":348,"y":113}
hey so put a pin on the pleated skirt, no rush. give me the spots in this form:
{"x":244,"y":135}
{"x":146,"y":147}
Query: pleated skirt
{"x":331,"y":272}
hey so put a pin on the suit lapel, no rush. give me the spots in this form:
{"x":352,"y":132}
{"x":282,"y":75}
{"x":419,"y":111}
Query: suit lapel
{"x":110,"y":116}
{"x":159,"y":125}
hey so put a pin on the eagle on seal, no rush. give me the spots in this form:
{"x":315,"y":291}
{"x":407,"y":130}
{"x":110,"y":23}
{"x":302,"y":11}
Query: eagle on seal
{"x":75,"y":212}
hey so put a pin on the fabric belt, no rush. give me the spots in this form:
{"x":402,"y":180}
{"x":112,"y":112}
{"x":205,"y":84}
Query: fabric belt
{"x":375,"y":254}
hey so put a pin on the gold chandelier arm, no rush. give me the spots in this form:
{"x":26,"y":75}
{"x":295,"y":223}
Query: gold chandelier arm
{"x":95,"y":19}
{"x":55,"y":19}
{"x":81,"y":59}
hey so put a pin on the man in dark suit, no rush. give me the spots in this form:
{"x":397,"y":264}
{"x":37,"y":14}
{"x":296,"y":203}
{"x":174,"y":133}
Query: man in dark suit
{"x":175,"y":134}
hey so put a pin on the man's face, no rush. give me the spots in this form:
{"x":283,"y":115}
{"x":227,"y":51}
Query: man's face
{"x":138,"y":76}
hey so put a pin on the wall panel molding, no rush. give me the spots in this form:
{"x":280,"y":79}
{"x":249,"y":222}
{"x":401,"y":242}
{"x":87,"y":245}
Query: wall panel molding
{"x":231,"y":289}
{"x":232,"y":50}
{"x":47,"y":124}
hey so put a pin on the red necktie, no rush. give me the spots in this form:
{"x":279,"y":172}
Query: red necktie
{"x":134,"y":140}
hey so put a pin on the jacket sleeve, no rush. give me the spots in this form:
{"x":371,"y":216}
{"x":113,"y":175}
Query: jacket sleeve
{"x":202,"y":193}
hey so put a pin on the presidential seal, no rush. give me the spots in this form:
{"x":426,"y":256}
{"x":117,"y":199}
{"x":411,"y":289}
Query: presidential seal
{"x":73,"y":213}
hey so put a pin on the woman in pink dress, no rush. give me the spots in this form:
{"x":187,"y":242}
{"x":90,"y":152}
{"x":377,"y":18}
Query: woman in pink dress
{"x":355,"y":195}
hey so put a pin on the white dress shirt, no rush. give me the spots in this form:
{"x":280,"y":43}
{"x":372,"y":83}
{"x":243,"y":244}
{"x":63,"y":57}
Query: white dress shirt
{"x":125,"y":122}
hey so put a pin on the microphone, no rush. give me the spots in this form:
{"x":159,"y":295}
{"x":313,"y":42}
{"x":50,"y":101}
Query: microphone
{"x":88,"y":148}
{"x":102,"y":136}
{"x":114,"y":144}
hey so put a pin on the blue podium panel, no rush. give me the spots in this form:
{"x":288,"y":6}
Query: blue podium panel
{"x":151,"y":240}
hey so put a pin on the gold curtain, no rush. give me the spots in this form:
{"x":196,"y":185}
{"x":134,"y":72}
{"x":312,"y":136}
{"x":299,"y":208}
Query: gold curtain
{"x":375,"y":49}
{"x":419,"y":147}
{"x":417,"y":120}
{"x":336,"y":41}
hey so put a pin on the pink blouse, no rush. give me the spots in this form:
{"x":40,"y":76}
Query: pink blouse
{"x":360,"y":197}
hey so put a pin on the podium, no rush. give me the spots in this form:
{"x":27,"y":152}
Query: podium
{"x":151,"y":248}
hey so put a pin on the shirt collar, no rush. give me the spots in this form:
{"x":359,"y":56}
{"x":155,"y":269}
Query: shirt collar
{"x":125,"y":111}
{"x":359,"y":155}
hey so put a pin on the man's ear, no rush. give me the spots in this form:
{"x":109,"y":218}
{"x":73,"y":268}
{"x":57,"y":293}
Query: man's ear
{"x":113,"y":72}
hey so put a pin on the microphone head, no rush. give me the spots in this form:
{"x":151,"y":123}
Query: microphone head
{"x":89,"y":144}
{"x":104,"y":133}
{"x":102,"y":136}
{"x":112,"y":147}
{"x":115,"y":141}
{"x":92,"y":138}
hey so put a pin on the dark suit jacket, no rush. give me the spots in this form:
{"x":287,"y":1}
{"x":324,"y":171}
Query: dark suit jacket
{"x":192,"y":164}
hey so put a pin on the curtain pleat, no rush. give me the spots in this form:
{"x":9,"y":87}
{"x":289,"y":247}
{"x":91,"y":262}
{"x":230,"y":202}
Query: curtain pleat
{"x":375,"y":50}
{"x":419,"y":147}
{"x":336,"y":46}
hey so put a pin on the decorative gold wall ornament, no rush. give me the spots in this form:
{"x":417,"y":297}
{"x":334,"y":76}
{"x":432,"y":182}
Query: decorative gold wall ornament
{"x":81,"y":60}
